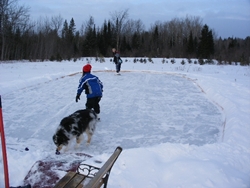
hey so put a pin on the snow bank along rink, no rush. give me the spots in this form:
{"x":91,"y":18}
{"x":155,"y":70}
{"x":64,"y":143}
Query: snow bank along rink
{"x":220,"y":162}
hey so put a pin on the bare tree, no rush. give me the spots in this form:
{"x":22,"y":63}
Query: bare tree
{"x":12,"y":17}
{"x":57,"y":22}
{"x":118,"y":19}
{"x":133,"y":26}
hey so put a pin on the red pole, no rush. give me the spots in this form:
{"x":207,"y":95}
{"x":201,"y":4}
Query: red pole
{"x":5,"y":162}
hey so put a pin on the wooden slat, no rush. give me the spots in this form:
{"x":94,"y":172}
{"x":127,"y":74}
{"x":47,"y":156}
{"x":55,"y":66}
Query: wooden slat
{"x":62,"y":182}
{"x":95,"y":181}
{"x":99,"y":184}
{"x":80,"y":186}
{"x":70,"y":180}
{"x":75,"y":181}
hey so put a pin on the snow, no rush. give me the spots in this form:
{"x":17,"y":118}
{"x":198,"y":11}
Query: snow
{"x":179,"y":125}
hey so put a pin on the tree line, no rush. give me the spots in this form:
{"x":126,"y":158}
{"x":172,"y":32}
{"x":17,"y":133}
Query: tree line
{"x":58,"y":39}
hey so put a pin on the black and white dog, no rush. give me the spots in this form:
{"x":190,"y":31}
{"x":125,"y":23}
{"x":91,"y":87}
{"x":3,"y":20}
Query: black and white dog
{"x":74,"y":126}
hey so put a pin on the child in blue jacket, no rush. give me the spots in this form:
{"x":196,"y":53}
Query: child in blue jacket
{"x":93,"y":89}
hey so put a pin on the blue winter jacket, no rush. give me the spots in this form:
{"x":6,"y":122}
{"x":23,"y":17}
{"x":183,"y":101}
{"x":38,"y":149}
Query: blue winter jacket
{"x":91,"y":84}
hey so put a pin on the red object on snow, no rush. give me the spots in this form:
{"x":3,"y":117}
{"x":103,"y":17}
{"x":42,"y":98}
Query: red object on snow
{"x":47,"y":172}
{"x":5,"y":162}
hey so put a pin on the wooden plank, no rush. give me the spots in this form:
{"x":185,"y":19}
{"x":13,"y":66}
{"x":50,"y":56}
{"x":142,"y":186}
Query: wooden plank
{"x":80,"y":186}
{"x":62,"y":182}
{"x":75,"y":181}
{"x":71,"y":179}
{"x":95,"y":181}
{"x":98,"y":185}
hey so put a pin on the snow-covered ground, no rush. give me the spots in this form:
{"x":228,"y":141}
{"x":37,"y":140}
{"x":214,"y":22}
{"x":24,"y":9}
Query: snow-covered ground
{"x":179,"y":125}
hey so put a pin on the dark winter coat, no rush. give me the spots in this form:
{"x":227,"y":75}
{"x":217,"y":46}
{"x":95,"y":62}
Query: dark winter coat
{"x":116,"y":57}
{"x":91,"y":84}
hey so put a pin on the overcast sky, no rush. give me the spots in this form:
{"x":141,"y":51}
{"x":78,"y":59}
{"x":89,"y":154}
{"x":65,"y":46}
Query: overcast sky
{"x":228,"y":18}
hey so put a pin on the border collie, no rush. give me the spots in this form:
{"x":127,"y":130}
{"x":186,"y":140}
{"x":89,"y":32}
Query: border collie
{"x":74,"y":126}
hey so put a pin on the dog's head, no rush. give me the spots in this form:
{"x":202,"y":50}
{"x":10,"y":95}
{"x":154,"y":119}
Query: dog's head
{"x":60,"y":139}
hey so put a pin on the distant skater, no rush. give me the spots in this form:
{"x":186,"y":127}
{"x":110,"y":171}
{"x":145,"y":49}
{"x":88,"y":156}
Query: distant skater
{"x":117,"y":60}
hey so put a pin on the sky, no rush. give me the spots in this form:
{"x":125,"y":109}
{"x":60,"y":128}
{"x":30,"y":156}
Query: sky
{"x":227,"y":18}
{"x":179,"y":125}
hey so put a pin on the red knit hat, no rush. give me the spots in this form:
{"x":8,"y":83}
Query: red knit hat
{"x":86,"y":68}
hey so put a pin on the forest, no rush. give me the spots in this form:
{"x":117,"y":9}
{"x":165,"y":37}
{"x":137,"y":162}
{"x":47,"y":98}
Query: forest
{"x":57,"y":39}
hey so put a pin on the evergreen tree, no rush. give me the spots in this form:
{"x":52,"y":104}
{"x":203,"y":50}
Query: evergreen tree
{"x":65,"y":29}
{"x":156,"y":39}
{"x":206,"y":44}
{"x":89,"y":44}
{"x":68,"y":37}
{"x":72,"y":37}
{"x":103,"y":40}
{"x":135,"y":41}
{"x":124,"y":44}
{"x":110,"y":35}
{"x":71,"y":30}
{"x":190,"y":45}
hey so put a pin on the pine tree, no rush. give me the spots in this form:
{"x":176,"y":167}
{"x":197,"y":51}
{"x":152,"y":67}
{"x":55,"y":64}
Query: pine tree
{"x":135,"y":41}
{"x":68,"y":36}
{"x":90,"y":42}
{"x":190,"y":45}
{"x":206,"y":44}
{"x":65,"y":29}
{"x":71,"y":30}
{"x":156,"y":41}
